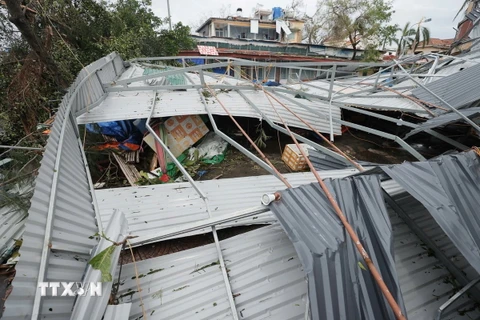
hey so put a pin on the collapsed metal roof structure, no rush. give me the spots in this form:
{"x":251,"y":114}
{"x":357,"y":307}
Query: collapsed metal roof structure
{"x":256,"y":275}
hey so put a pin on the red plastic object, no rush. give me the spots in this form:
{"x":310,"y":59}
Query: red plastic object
{"x":164,"y":178}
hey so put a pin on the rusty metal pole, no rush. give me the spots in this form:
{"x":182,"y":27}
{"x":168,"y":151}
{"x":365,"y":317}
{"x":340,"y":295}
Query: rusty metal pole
{"x":373,"y":270}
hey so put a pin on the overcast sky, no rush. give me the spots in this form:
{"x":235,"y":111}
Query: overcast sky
{"x":441,"y":12}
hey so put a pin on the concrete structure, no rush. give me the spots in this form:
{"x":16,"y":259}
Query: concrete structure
{"x":263,"y":26}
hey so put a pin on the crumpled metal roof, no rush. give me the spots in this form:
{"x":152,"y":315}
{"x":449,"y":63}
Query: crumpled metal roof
{"x":149,"y":209}
{"x":339,"y":286}
{"x":56,"y":244}
{"x":137,"y":104}
{"x":458,"y":89}
{"x":444,"y":119}
{"x":449,"y":188}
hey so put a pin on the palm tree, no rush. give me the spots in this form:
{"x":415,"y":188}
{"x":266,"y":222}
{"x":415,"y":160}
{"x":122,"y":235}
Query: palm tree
{"x":425,"y":33}
{"x":388,"y":34}
{"x":411,"y":38}
{"x":405,"y":41}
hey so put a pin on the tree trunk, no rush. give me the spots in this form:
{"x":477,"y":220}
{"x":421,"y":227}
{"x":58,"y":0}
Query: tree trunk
{"x":354,"y":46}
{"x":18,"y":18}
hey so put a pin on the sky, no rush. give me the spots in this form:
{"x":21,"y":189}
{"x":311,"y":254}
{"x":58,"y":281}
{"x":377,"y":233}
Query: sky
{"x":442,"y":12}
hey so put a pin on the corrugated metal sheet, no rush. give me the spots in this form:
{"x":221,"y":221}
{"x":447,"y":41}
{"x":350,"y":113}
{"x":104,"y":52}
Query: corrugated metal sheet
{"x":93,"y":307}
{"x":322,"y":161}
{"x":425,"y":283}
{"x":448,"y":187}
{"x":73,"y":216}
{"x":12,"y":225}
{"x":117,"y":312}
{"x":443,"y":120}
{"x":338,"y":287}
{"x":149,"y":209}
{"x":267,"y":278}
{"x":265,"y":274}
{"x":91,"y":90}
{"x":458,"y":89}
{"x":137,"y":104}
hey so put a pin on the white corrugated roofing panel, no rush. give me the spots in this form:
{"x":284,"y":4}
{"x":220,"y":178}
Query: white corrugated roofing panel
{"x":137,"y":104}
{"x":265,"y":274}
{"x":159,"y":207}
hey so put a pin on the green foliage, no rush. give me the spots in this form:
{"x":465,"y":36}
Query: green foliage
{"x":103,"y":262}
{"x":388,"y":34}
{"x":75,"y":33}
{"x":356,"y":20}
{"x":262,"y":137}
{"x":371,"y":53}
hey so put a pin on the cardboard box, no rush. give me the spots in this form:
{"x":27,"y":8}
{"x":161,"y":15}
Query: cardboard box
{"x":182,"y":133}
{"x":293,"y":157}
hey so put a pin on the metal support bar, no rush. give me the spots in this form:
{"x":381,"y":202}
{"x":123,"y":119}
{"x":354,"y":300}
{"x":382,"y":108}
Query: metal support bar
{"x":298,"y":137}
{"x":377,"y":78}
{"x":167,"y":150}
{"x":99,"y":80}
{"x":226,"y":281}
{"x":20,"y":148}
{"x":44,"y":257}
{"x":401,"y":122}
{"x":332,"y":78}
{"x":439,"y":254}
{"x":179,"y":87}
{"x":169,"y":73}
{"x":202,"y":77}
{"x":203,"y":196}
{"x":92,"y":189}
{"x":464,"y":117}
{"x":379,"y":133}
{"x":202,"y":224}
{"x":234,"y":143}
{"x":455,"y":297}
{"x":91,"y":106}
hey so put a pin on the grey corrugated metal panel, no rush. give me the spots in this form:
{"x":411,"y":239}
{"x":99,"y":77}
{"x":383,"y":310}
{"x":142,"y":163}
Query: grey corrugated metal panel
{"x":118,"y":312}
{"x":93,"y":307}
{"x":338,"y":288}
{"x":322,"y":161}
{"x":422,"y":218}
{"x":266,"y":278}
{"x":373,"y":102}
{"x":458,"y":89}
{"x":151,"y":208}
{"x":423,"y":279}
{"x":448,"y":187}
{"x":444,"y":119}
{"x":73,"y":222}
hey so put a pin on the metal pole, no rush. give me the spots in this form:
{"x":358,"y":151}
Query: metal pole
{"x":174,"y":159}
{"x":464,"y":117}
{"x":20,"y":148}
{"x":169,"y":15}
{"x":330,"y":95}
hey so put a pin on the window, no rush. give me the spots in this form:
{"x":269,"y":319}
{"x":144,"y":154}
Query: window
{"x":219,"y":32}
